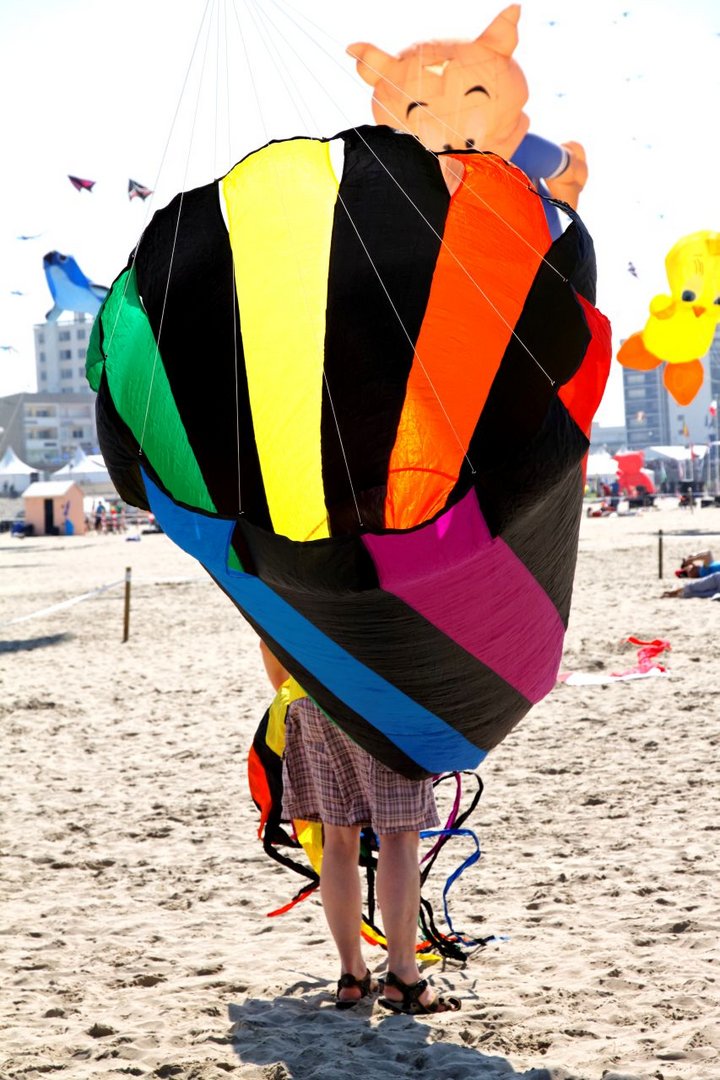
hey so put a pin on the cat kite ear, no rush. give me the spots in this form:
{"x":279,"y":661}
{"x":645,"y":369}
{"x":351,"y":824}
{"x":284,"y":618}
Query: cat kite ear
{"x":372,"y":63}
{"x":502,"y":33}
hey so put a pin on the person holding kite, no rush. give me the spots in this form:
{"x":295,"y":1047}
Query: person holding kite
{"x":329,"y":778}
{"x":414,"y":581}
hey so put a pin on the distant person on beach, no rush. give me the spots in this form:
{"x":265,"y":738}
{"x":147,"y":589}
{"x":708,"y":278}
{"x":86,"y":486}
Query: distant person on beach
{"x":704,"y":588}
{"x":698,"y":566}
{"x":329,"y":778}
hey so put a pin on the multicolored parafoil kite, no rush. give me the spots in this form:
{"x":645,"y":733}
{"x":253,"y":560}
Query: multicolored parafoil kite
{"x":681,"y":326}
{"x":363,"y":406}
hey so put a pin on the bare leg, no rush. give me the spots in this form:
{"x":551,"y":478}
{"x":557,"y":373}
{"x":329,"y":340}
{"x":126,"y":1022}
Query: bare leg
{"x":342,"y":900}
{"x":398,"y":892}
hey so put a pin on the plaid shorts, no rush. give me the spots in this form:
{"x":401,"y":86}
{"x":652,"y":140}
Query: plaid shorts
{"x":329,"y":778}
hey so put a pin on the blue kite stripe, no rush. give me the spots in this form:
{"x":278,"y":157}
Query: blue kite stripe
{"x":424,"y":737}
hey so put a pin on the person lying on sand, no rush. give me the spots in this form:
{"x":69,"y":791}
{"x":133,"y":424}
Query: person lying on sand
{"x":698,"y":566}
{"x":703,"y":588}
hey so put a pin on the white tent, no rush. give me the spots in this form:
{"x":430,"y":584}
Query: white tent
{"x":15,"y":473}
{"x":84,"y":469}
{"x":675,"y":453}
{"x":601,"y":465}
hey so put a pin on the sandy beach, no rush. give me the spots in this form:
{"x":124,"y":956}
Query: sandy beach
{"x":135,"y":936}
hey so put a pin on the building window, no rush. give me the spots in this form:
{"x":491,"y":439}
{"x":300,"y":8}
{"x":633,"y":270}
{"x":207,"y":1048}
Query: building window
{"x":66,"y":373}
{"x":66,"y":354}
{"x":41,"y":339}
{"x":43,"y":376}
{"x":80,"y":334}
{"x":82,"y":353}
{"x":81,"y":372}
{"x":42,"y":357}
{"x":64,"y":335}
{"x":78,"y":433}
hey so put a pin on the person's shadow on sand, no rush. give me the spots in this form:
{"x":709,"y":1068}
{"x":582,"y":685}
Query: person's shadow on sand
{"x":28,"y":644}
{"x":306,"y":1038}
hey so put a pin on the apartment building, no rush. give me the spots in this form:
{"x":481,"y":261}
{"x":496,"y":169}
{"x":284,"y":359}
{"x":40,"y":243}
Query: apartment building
{"x":654,"y":418}
{"x":60,"y":351}
{"x":46,"y":429}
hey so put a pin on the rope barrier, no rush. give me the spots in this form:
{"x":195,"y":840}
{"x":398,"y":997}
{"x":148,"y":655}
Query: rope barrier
{"x":64,"y":604}
{"x":97,"y":592}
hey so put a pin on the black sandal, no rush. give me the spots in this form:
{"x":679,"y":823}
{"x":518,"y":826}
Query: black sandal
{"x":366,"y":986}
{"x":411,"y":994}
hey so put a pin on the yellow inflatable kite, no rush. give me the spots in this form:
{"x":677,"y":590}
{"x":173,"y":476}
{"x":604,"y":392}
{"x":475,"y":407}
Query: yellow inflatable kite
{"x":681,"y":326}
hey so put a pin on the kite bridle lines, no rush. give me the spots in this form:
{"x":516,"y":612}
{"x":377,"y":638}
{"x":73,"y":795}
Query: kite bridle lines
{"x":430,"y":227}
{"x":261,"y":22}
{"x":424,"y":108}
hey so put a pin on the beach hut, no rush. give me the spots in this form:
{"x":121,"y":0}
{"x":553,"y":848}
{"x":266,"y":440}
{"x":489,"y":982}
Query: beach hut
{"x":54,"y":507}
{"x":15,"y":475}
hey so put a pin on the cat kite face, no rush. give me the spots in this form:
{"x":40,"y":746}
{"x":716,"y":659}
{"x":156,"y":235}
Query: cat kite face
{"x":452,"y":94}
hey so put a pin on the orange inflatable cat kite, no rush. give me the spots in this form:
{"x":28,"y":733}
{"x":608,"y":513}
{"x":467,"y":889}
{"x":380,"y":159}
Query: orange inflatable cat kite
{"x":470,"y":95}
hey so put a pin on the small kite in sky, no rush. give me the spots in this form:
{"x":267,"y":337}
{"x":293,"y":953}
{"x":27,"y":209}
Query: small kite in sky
{"x":138,"y":191}
{"x":16,"y":292}
{"x":81,"y":185}
{"x":632,"y":269}
{"x":34,"y":236}
{"x":8,"y":348}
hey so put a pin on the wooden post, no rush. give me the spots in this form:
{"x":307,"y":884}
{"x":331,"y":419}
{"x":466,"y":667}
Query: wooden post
{"x":126,"y":620}
{"x":660,"y":553}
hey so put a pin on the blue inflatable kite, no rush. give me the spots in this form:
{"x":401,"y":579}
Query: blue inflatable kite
{"x":70,"y":289}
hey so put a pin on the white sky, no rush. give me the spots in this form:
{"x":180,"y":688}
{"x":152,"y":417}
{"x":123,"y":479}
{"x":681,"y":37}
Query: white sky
{"x":90,"y":87}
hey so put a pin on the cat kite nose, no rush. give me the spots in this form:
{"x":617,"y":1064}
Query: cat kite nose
{"x":698,"y":311}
